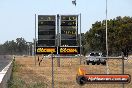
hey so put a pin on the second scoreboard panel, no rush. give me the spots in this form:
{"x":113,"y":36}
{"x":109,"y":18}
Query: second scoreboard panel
{"x":69,"y":30}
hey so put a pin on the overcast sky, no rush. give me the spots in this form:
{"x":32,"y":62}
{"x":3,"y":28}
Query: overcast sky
{"x":17,"y":16}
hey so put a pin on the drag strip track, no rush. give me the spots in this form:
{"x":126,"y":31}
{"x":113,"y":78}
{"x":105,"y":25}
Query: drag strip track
{"x":4,"y":61}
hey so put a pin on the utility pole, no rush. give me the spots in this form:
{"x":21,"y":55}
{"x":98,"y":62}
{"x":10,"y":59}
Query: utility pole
{"x":107,"y":66}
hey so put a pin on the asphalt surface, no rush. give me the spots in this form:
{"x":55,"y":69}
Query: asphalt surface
{"x":4,"y":61}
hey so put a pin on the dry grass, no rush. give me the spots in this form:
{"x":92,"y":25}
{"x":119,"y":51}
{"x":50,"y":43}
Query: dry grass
{"x":65,"y":75}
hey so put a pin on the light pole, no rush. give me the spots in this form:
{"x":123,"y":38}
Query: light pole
{"x":107,"y":66}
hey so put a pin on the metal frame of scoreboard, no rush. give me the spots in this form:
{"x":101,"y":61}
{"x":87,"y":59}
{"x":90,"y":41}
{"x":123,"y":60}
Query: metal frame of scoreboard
{"x":67,"y":23}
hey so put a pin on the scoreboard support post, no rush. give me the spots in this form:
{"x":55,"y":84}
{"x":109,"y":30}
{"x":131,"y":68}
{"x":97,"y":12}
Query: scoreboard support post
{"x":58,"y":42}
{"x":52,"y":71}
{"x":80,"y":40}
{"x":35,"y":42}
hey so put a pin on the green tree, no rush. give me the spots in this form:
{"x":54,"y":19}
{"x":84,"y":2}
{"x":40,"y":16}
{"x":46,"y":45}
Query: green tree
{"x":119,"y":35}
{"x":17,"y":47}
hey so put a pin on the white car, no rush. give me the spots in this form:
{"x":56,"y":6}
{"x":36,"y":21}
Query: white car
{"x":95,"y":58}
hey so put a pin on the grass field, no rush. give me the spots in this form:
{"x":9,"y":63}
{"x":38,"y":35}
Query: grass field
{"x":27,"y":75}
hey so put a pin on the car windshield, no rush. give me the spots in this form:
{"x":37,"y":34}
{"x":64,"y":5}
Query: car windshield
{"x":97,"y":54}
{"x":91,"y":54}
{"x":94,"y":54}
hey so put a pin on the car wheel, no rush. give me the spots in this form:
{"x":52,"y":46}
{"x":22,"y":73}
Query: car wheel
{"x":93,"y":63}
{"x":104,"y":63}
{"x":98,"y":63}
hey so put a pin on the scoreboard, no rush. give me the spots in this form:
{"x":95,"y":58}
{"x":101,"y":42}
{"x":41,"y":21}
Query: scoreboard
{"x":69,"y":30}
{"x":62,"y":40}
{"x":46,"y":30}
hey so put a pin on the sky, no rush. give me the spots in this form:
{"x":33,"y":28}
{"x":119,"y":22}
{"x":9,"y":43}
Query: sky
{"x":17,"y":17}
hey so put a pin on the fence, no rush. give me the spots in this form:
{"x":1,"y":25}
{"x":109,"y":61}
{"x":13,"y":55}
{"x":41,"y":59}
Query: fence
{"x":40,"y":76}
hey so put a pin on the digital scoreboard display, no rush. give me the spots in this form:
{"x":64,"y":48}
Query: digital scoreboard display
{"x":46,"y":30}
{"x":69,"y":50}
{"x":69,"y":30}
{"x":46,"y":50}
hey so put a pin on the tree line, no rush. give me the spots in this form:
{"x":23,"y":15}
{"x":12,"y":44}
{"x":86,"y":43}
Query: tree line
{"x":119,"y":36}
{"x":15,"y":47}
